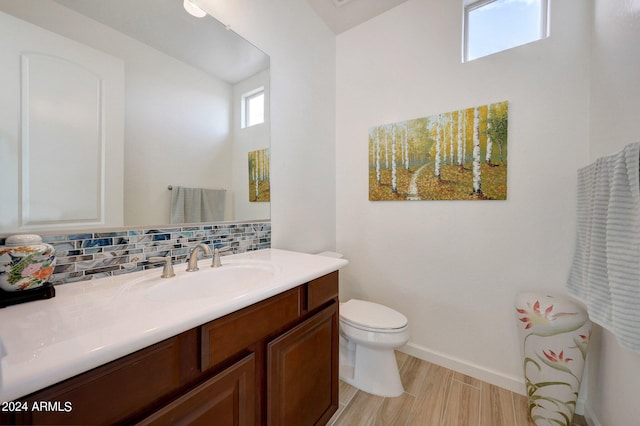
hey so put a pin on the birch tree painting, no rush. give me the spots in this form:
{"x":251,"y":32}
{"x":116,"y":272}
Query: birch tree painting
{"x":259,"y":183}
{"x":458,"y":155}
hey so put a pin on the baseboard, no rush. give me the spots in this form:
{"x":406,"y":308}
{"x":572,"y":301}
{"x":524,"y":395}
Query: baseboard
{"x":580,"y":405}
{"x":590,"y":417}
{"x":514,"y":384}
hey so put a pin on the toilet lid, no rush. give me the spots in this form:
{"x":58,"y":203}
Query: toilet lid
{"x":371,"y":315}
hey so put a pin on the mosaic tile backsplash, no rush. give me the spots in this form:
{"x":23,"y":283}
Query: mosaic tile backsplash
{"x":89,"y":255}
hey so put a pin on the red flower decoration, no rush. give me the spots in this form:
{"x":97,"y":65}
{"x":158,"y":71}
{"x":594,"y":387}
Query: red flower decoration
{"x":558,"y":359}
{"x":586,"y":338}
{"x":536,"y":316}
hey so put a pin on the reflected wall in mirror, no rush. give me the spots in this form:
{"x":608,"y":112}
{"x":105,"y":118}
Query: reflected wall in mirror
{"x":165,"y":94}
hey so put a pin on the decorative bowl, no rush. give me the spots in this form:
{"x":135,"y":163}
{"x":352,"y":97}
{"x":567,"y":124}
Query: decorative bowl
{"x":25,"y":262}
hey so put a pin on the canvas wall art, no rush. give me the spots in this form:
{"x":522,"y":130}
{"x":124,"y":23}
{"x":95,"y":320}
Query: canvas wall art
{"x":458,"y":155}
{"x":259,"y":184}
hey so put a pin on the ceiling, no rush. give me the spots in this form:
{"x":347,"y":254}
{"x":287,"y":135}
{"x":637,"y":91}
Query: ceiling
{"x":164,"y":24}
{"x":227,"y":56}
{"x":342,"y":15}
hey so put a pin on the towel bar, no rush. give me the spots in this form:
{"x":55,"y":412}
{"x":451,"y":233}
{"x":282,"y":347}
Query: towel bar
{"x":170,"y":188}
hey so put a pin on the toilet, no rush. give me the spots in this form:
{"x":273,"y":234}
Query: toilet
{"x":369,"y":333}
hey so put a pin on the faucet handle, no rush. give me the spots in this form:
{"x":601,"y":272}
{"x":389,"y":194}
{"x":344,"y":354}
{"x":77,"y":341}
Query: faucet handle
{"x":167,"y":271}
{"x":215,"y":262}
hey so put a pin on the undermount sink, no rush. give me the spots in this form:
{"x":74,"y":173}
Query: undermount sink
{"x":229,"y":280}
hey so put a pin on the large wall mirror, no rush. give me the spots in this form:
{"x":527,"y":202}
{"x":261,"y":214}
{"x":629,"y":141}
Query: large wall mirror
{"x":105,"y":105}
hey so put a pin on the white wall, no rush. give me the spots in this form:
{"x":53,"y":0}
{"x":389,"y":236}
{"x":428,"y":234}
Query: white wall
{"x":178,"y":132}
{"x":246,"y":140}
{"x":614,"y":372}
{"x":454,"y":267}
{"x":302,"y":51}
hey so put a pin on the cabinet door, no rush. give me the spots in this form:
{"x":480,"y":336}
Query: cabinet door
{"x":302,"y":372}
{"x":227,"y":398}
{"x":70,"y":97}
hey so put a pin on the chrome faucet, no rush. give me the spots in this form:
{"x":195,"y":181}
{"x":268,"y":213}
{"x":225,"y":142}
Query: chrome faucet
{"x":193,"y":257}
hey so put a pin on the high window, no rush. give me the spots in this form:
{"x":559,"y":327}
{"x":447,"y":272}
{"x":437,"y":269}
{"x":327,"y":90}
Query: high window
{"x":492,"y":26}
{"x":253,"y":107}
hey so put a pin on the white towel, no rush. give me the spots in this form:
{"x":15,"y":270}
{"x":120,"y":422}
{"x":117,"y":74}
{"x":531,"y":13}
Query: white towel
{"x":196,"y":205}
{"x":605,"y":273}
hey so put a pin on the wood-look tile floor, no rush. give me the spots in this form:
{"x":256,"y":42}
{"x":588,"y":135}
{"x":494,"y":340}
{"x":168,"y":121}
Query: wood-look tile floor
{"x":434,"y":396}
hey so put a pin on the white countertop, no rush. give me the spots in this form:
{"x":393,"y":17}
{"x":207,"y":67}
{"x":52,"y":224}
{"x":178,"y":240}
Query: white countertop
{"x":90,"y":323}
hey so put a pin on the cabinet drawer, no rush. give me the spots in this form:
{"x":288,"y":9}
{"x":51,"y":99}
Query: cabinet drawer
{"x":231,"y":334}
{"x":228,"y":398}
{"x":322,"y":289}
{"x":116,"y":391}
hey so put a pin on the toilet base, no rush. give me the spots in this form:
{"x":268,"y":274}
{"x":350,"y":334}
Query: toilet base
{"x":375,"y":371}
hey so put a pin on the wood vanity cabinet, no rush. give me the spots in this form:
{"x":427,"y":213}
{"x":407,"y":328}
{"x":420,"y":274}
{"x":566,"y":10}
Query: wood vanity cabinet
{"x":272,"y":363}
{"x":300,"y":372}
{"x":228,"y":398}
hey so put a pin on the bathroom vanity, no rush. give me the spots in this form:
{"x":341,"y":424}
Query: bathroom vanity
{"x":257,"y":353}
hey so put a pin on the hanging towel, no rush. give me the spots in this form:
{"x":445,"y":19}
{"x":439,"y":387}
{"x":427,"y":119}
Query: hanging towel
{"x":605,"y":273}
{"x":196,"y":205}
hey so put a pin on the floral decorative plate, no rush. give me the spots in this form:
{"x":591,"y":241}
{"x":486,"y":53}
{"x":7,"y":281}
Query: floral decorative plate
{"x":25,"y":262}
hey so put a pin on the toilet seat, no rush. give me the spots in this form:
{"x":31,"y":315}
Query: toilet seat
{"x":373,"y":317}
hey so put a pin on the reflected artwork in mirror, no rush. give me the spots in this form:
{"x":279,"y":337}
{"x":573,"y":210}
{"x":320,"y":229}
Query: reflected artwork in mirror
{"x":105,"y":104}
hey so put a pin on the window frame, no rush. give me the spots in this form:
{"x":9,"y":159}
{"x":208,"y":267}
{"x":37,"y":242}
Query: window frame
{"x":245,"y":106}
{"x":471,"y":5}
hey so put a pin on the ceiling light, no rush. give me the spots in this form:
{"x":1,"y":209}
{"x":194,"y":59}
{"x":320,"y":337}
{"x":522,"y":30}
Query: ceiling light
{"x":193,"y":9}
